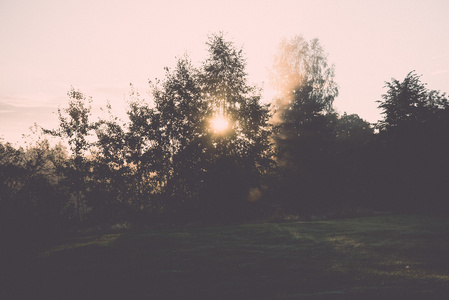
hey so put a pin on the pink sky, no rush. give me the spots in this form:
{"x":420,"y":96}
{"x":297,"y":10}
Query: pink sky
{"x":100,"y":47}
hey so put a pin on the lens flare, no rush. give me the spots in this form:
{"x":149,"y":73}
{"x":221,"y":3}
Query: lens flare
{"x":219,"y":123}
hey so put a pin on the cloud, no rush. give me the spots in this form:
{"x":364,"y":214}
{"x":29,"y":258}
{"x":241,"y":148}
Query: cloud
{"x":17,"y":120}
{"x":25,"y":101}
{"x":6,"y":107}
{"x":6,"y":111}
{"x":16,"y":102}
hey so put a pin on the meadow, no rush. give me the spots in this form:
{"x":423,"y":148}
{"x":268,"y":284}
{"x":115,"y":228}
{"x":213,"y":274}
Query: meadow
{"x":377,"y":257}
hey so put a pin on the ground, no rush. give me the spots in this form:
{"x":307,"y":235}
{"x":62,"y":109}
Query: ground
{"x":378,"y":257}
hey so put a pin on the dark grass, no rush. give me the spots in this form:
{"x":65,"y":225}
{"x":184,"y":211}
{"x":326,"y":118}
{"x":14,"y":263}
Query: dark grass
{"x":381,"y":257}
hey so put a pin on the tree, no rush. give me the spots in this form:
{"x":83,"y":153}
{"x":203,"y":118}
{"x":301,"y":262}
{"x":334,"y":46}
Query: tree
{"x":304,"y":120}
{"x":207,"y":171}
{"x":304,"y":80}
{"x":143,"y":158}
{"x":409,"y":102}
{"x":414,"y":139}
{"x":242,"y":155}
{"x":109,"y":192}
{"x":179,"y":121}
{"x":353,"y":150}
{"x":75,"y":127}
{"x":33,"y":203}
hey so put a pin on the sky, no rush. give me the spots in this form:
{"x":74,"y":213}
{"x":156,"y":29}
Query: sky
{"x":100,"y":47}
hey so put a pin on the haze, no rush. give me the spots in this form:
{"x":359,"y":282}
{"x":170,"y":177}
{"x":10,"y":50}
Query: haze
{"x":100,"y":47}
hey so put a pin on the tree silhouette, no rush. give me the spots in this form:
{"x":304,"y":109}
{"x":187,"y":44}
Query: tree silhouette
{"x":33,"y":199}
{"x":305,"y":133}
{"x":202,"y":171}
{"x":409,"y":102}
{"x":179,"y":121}
{"x":75,"y":127}
{"x":109,"y":192}
{"x":144,"y":158}
{"x":414,"y":142}
{"x":353,"y":151}
{"x":303,"y":79}
{"x":243,"y":154}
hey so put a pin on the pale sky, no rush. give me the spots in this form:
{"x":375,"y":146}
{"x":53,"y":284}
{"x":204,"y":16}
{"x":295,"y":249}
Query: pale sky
{"x":100,"y":47}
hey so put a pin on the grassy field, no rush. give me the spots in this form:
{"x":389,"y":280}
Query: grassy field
{"x":380,"y":257}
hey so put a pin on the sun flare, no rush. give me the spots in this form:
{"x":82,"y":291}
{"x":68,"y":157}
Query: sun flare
{"x":219,"y":123}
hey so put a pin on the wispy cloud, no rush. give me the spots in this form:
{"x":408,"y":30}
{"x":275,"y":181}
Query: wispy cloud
{"x":6,"y":107}
{"x":6,"y":111}
{"x":24,"y":101}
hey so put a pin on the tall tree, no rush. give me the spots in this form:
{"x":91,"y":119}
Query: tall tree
{"x":305,"y":132}
{"x":415,"y":144}
{"x":144,"y":156}
{"x":75,"y":127}
{"x":409,"y":102}
{"x":110,"y":193}
{"x":242,"y":152}
{"x":180,"y":136}
{"x":304,"y":80}
{"x":210,"y":133}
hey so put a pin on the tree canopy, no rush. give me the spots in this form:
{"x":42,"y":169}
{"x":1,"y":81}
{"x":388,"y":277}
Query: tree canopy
{"x":304,"y":80}
{"x":205,"y":148}
{"x":414,"y":145}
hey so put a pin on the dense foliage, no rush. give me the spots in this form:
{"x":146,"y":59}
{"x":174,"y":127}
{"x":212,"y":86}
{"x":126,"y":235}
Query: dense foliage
{"x":321,"y":155}
{"x":207,"y":150}
{"x":414,"y":143}
{"x":34,"y":195}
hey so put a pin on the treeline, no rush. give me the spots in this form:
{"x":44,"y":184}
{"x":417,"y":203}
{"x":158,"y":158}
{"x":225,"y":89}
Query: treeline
{"x":207,"y":150}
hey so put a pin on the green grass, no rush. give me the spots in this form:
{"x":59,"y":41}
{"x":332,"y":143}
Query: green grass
{"x":381,"y":257}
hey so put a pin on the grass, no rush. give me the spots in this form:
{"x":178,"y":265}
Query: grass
{"x":380,"y":257}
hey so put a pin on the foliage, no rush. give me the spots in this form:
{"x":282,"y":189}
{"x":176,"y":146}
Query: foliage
{"x":326,"y":166}
{"x":414,"y":140}
{"x":169,"y":162}
{"x":242,"y":155}
{"x":181,"y":138}
{"x":204,"y":172}
{"x":109,"y":194}
{"x":74,"y":124}
{"x":409,"y":102}
{"x":75,"y":127}
{"x":304,"y":80}
{"x":313,"y":143}
{"x":205,"y":149}
{"x":34,"y":203}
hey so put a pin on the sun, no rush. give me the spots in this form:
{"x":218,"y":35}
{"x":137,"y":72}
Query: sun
{"x":219,"y":124}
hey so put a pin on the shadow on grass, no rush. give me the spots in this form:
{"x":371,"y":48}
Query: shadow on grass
{"x":389,"y":257}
